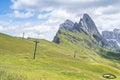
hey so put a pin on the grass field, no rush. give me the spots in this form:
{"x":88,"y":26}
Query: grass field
{"x":54,"y":62}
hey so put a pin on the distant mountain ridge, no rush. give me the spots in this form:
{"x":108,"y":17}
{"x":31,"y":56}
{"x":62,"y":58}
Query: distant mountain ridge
{"x":113,"y":37}
{"x":86,"y":25}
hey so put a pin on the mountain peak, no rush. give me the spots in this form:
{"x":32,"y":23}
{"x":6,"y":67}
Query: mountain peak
{"x":85,"y":15}
{"x":86,"y":24}
{"x":68,"y":25}
{"x":89,"y":25}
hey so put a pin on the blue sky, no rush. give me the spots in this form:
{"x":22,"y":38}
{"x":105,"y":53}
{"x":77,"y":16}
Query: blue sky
{"x":41,"y":18}
{"x":5,"y":6}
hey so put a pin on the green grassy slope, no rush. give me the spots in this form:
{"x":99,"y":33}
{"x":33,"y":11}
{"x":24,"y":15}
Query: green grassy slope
{"x":53,"y":62}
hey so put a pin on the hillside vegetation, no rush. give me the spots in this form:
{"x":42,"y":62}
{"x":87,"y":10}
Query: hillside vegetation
{"x":70,"y":60}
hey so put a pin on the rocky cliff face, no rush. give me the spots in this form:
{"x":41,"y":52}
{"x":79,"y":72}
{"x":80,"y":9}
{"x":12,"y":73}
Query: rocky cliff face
{"x":68,"y":25}
{"x":89,"y":26}
{"x":113,"y":37}
{"x":85,"y":24}
{"x":113,"y":43}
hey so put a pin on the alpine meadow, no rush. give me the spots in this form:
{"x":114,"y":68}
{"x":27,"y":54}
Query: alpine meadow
{"x":73,"y":55}
{"x":59,"y":39}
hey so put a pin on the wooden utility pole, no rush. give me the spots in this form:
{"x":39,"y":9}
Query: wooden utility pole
{"x":36,"y":41}
{"x":23,"y":35}
{"x":74,"y":54}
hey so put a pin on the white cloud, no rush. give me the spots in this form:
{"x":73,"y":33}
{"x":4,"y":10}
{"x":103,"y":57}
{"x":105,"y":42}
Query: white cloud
{"x":1,"y":28}
{"x":46,"y":30}
{"x":104,"y":12}
{"x":22,"y":4}
{"x":23,"y":15}
{"x":43,"y":31}
{"x":28,"y":24}
{"x":43,"y":16}
{"x":107,"y":10}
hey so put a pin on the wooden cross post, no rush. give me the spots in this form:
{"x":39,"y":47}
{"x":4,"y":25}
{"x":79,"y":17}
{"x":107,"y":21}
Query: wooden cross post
{"x":36,"y":41}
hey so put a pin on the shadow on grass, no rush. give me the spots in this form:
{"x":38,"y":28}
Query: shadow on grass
{"x":110,"y":55}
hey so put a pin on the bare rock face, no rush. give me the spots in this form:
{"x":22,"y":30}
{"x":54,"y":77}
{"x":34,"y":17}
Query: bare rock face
{"x":77,"y":27}
{"x":68,"y":25}
{"x":113,"y":43}
{"x":113,"y":37}
{"x":88,"y":25}
{"x":56,"y":38}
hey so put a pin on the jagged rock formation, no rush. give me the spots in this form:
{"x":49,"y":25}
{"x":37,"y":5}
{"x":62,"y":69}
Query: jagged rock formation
{"x":87,"y":25}
{"x":113,"y":43}
{"x":68,"y":25}
{"x":77,"y":27}
{"x":113,"y":37}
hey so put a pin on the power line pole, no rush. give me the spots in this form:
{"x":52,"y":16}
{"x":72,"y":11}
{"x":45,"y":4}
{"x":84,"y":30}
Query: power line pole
{"x":36,"y":41}
{"x":74,"y":54}
{"x":23,"y":35}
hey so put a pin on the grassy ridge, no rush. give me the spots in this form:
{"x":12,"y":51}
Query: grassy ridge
{"x":53,"y":62}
